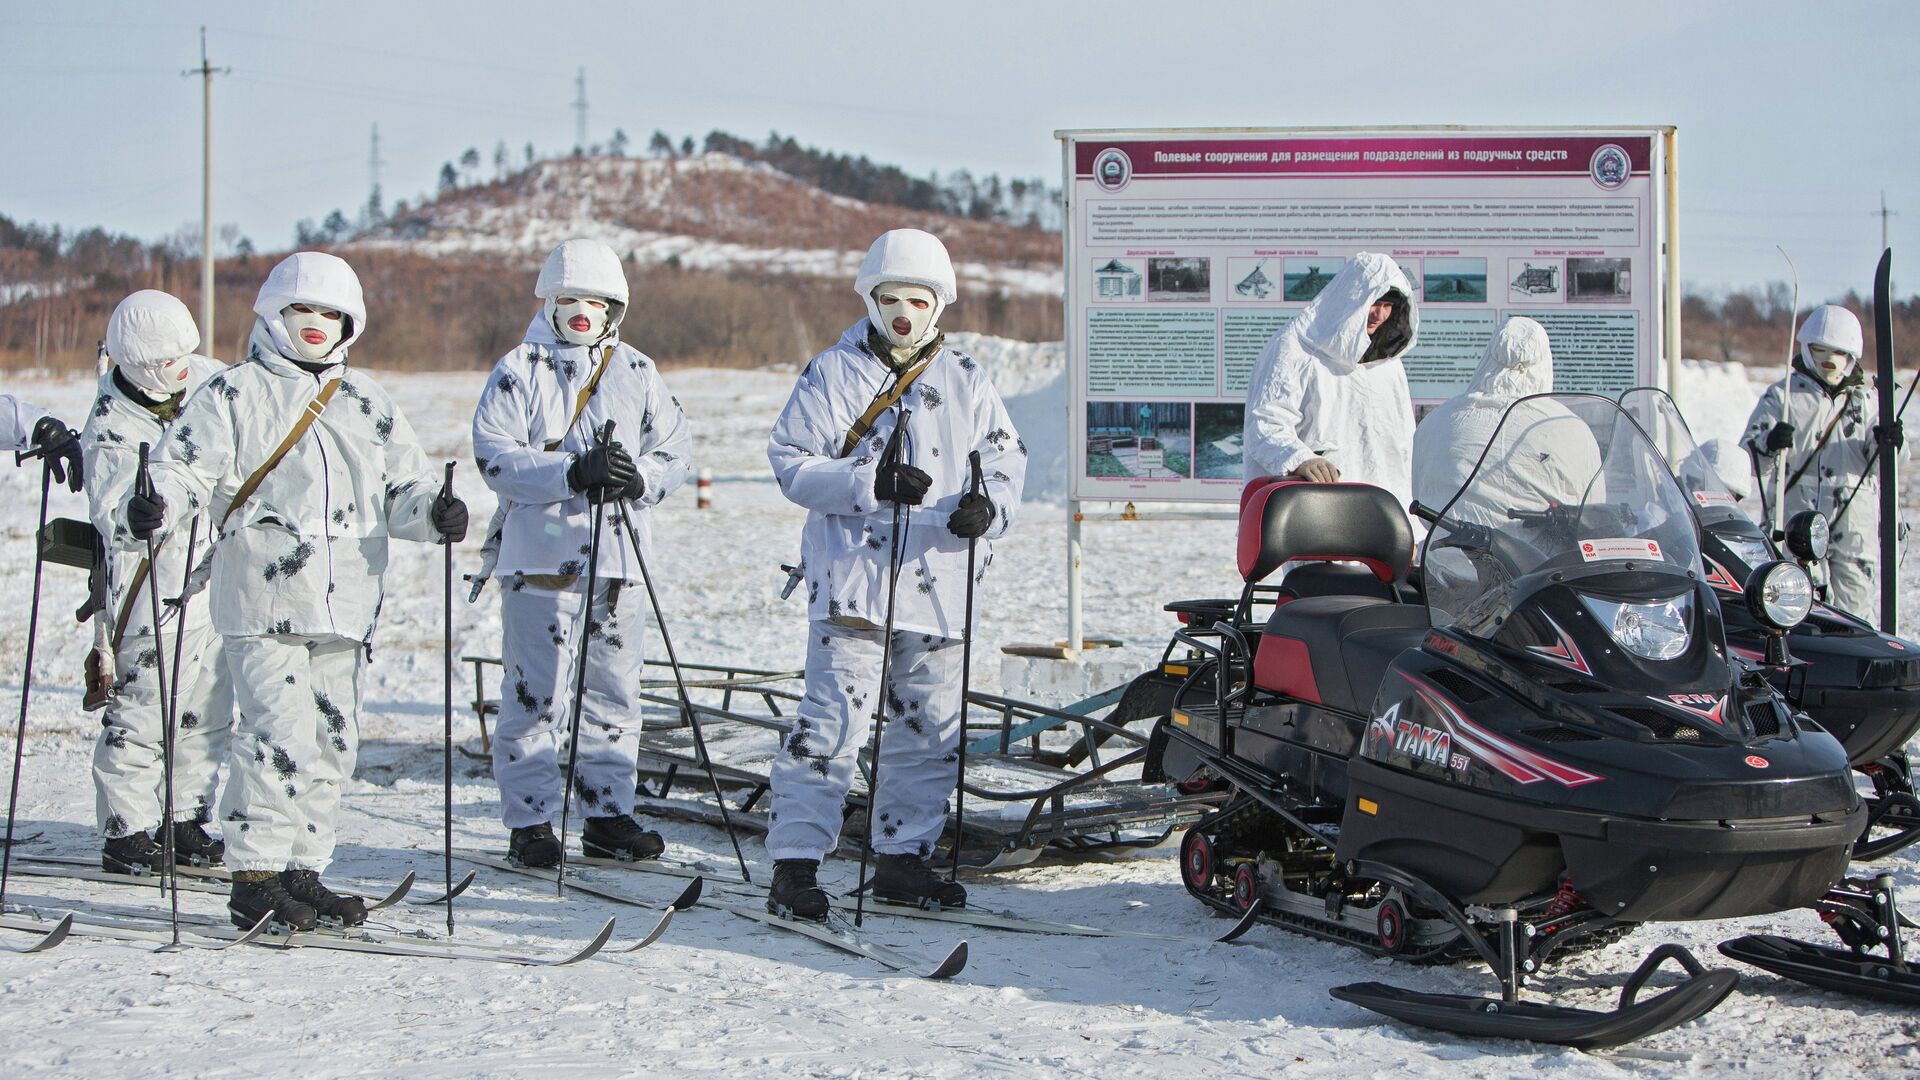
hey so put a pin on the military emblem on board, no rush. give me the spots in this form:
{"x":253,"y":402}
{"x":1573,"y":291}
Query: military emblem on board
{"x":1610,"y":167}
{"x":1112,"y":169}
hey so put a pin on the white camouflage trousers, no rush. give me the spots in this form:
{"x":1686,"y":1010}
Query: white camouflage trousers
{"x":297,"y":700}
{"x":1853,"y":585}
{"x":918,"y":747}
{"x":129,"y":769}
{"x":541,"y":628}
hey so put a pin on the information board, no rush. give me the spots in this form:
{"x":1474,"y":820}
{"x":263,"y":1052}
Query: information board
{"x":1186,"y":251}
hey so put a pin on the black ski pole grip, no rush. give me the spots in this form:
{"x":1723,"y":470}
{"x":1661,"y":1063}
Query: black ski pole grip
{"x":973,"y":465}
{"x":142,"y":480}
{"x":604,"y":435}
{"x":891,"y":455}
{"x":446,"y":489}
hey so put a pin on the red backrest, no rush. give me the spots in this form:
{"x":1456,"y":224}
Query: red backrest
{"x":1286,"y":520}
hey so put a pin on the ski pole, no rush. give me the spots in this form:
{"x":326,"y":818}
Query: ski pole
{"x":600,"y":438}
{"x":687,"y":710}
{"x":1786,"y":409}
{"x":26,"y":677}
{"x":143,"y":484}
{"x":170,"y":734}
{"x":446,"y":742}
{"x":891,"y":455}
{"x":966,"y":679}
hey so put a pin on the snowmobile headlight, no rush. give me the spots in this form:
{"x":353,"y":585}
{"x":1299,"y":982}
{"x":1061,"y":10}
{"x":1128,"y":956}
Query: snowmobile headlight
{"x":1807,"y":534}
{"x":1779,"y":594}
{"x":1656,"y":631}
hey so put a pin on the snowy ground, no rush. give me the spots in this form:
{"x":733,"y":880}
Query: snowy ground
{"x":720,"y":994}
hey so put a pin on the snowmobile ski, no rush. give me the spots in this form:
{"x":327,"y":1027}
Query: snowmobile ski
{"x":839,"y":932}
{"x":1582,"y":1029}
{"x":356,"y":940}
{"x":48,"y":940}
{"x":1841,"y":970}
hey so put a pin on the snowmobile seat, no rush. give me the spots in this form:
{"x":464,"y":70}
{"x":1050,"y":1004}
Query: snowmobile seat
{"x":1334,"y":650}
{"x":1331,"y":649}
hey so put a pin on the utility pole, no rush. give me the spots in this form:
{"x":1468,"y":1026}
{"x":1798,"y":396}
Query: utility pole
{"x":374,"y":161}
{"x":206,"y":71}
{"x":580,"y":112}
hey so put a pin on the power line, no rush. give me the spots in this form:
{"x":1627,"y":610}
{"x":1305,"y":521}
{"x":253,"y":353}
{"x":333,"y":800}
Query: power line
{"x":374,"y":161}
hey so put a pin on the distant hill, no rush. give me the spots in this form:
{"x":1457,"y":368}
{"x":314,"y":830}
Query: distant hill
{"x":712,"y":212}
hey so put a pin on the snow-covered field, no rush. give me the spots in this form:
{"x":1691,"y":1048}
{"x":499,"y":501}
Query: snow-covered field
{"x":723,"y":995}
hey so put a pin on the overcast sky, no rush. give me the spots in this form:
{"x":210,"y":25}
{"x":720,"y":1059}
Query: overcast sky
{"x":1793,"y":116}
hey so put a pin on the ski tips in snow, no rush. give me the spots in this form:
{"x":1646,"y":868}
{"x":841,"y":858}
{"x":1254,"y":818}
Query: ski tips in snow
{"x":1246,"y":922}
{"x":459,"y":887}
{"x":49,"y":939}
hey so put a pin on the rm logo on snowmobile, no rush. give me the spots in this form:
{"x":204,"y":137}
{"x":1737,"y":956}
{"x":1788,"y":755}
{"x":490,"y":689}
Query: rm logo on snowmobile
{"x":1708,"y":700}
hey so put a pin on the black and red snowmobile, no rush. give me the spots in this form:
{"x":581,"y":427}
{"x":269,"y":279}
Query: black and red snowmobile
{"x":1861,"y":685}
{"x":1534,"y":745}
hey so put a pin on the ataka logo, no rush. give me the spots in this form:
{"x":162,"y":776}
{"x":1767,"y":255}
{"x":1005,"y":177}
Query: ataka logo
{"x":1416,"y":740}
{"x":1112,"y":169}
{"x":1610,"y":167}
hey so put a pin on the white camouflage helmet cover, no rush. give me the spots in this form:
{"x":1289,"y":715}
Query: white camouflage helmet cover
{"x":317,"y":279}
{"x":1832,"y":327}
{"x":584,"y":266}
{"x":913,"y":257}
{"x":150,"y":328}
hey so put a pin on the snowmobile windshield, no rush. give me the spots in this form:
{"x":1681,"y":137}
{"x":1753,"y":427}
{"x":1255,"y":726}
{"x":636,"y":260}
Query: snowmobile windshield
{"x":1713,"y":501}
{"x":1569,"y":485}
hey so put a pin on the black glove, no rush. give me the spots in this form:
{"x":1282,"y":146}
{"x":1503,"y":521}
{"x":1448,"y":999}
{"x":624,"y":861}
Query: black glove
{"x":602,"y":472}
{"x":635,"y":488}
{"x":972,"y":517}
{"x":60,"y":445}
{"x":145,"y":514}
{"x":901,"y":483}
{"x":1899,"y":433}
{"x":1780,"y":437}
{"x":449,"y":517}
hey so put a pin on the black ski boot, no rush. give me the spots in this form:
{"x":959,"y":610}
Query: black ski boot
{"x":907,"y":879}
{"x":135,"y":853}
{"x":305,"y":886}
{"x":256,"y":892}
{"x":193,"y":846}
{"x":534,"y":846}
{"x":796,"y":892}
{"x":620,"y":837}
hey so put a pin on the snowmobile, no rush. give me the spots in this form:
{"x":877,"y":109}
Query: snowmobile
{"x":1859,"y":684}
{"x":1534,"y":745}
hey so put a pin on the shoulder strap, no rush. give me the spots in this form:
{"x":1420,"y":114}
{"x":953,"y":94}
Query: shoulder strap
{"x":580,"y":399}
{"x":126,"y":604}
{"x":1819,"y":446}
{"x":307,"y":416}
{"x":881,"y":404}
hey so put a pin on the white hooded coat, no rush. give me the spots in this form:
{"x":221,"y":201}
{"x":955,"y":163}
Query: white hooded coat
{"x":306,"y":553}
{"x":110,"y":445}
{"x":845,"y":546}
{"x":544,"y":526}
{"x":1310,"y":394}
{"x":911,"y":257}
{"x":16,"y":422}
{"x":1559,"y":458}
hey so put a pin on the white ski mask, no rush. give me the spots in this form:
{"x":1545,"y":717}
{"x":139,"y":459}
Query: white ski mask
{"x":906,"y":313}
{"x":580,"y":320}
{"x":158,"y":381}
{"x":314,"y":331}
{"x":1830,"y":366}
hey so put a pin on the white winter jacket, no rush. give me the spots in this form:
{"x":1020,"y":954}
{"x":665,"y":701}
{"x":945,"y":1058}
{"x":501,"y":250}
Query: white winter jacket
{"x":845,"y":546}
{"x":110,"y":445}
{"x":544,"y":527}
{"x":306,"y":553}
{"x":1543,"y":454}
{"x":1839,"y":465}
{"x":16,"y":422}
{"x":1310,"y":394}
